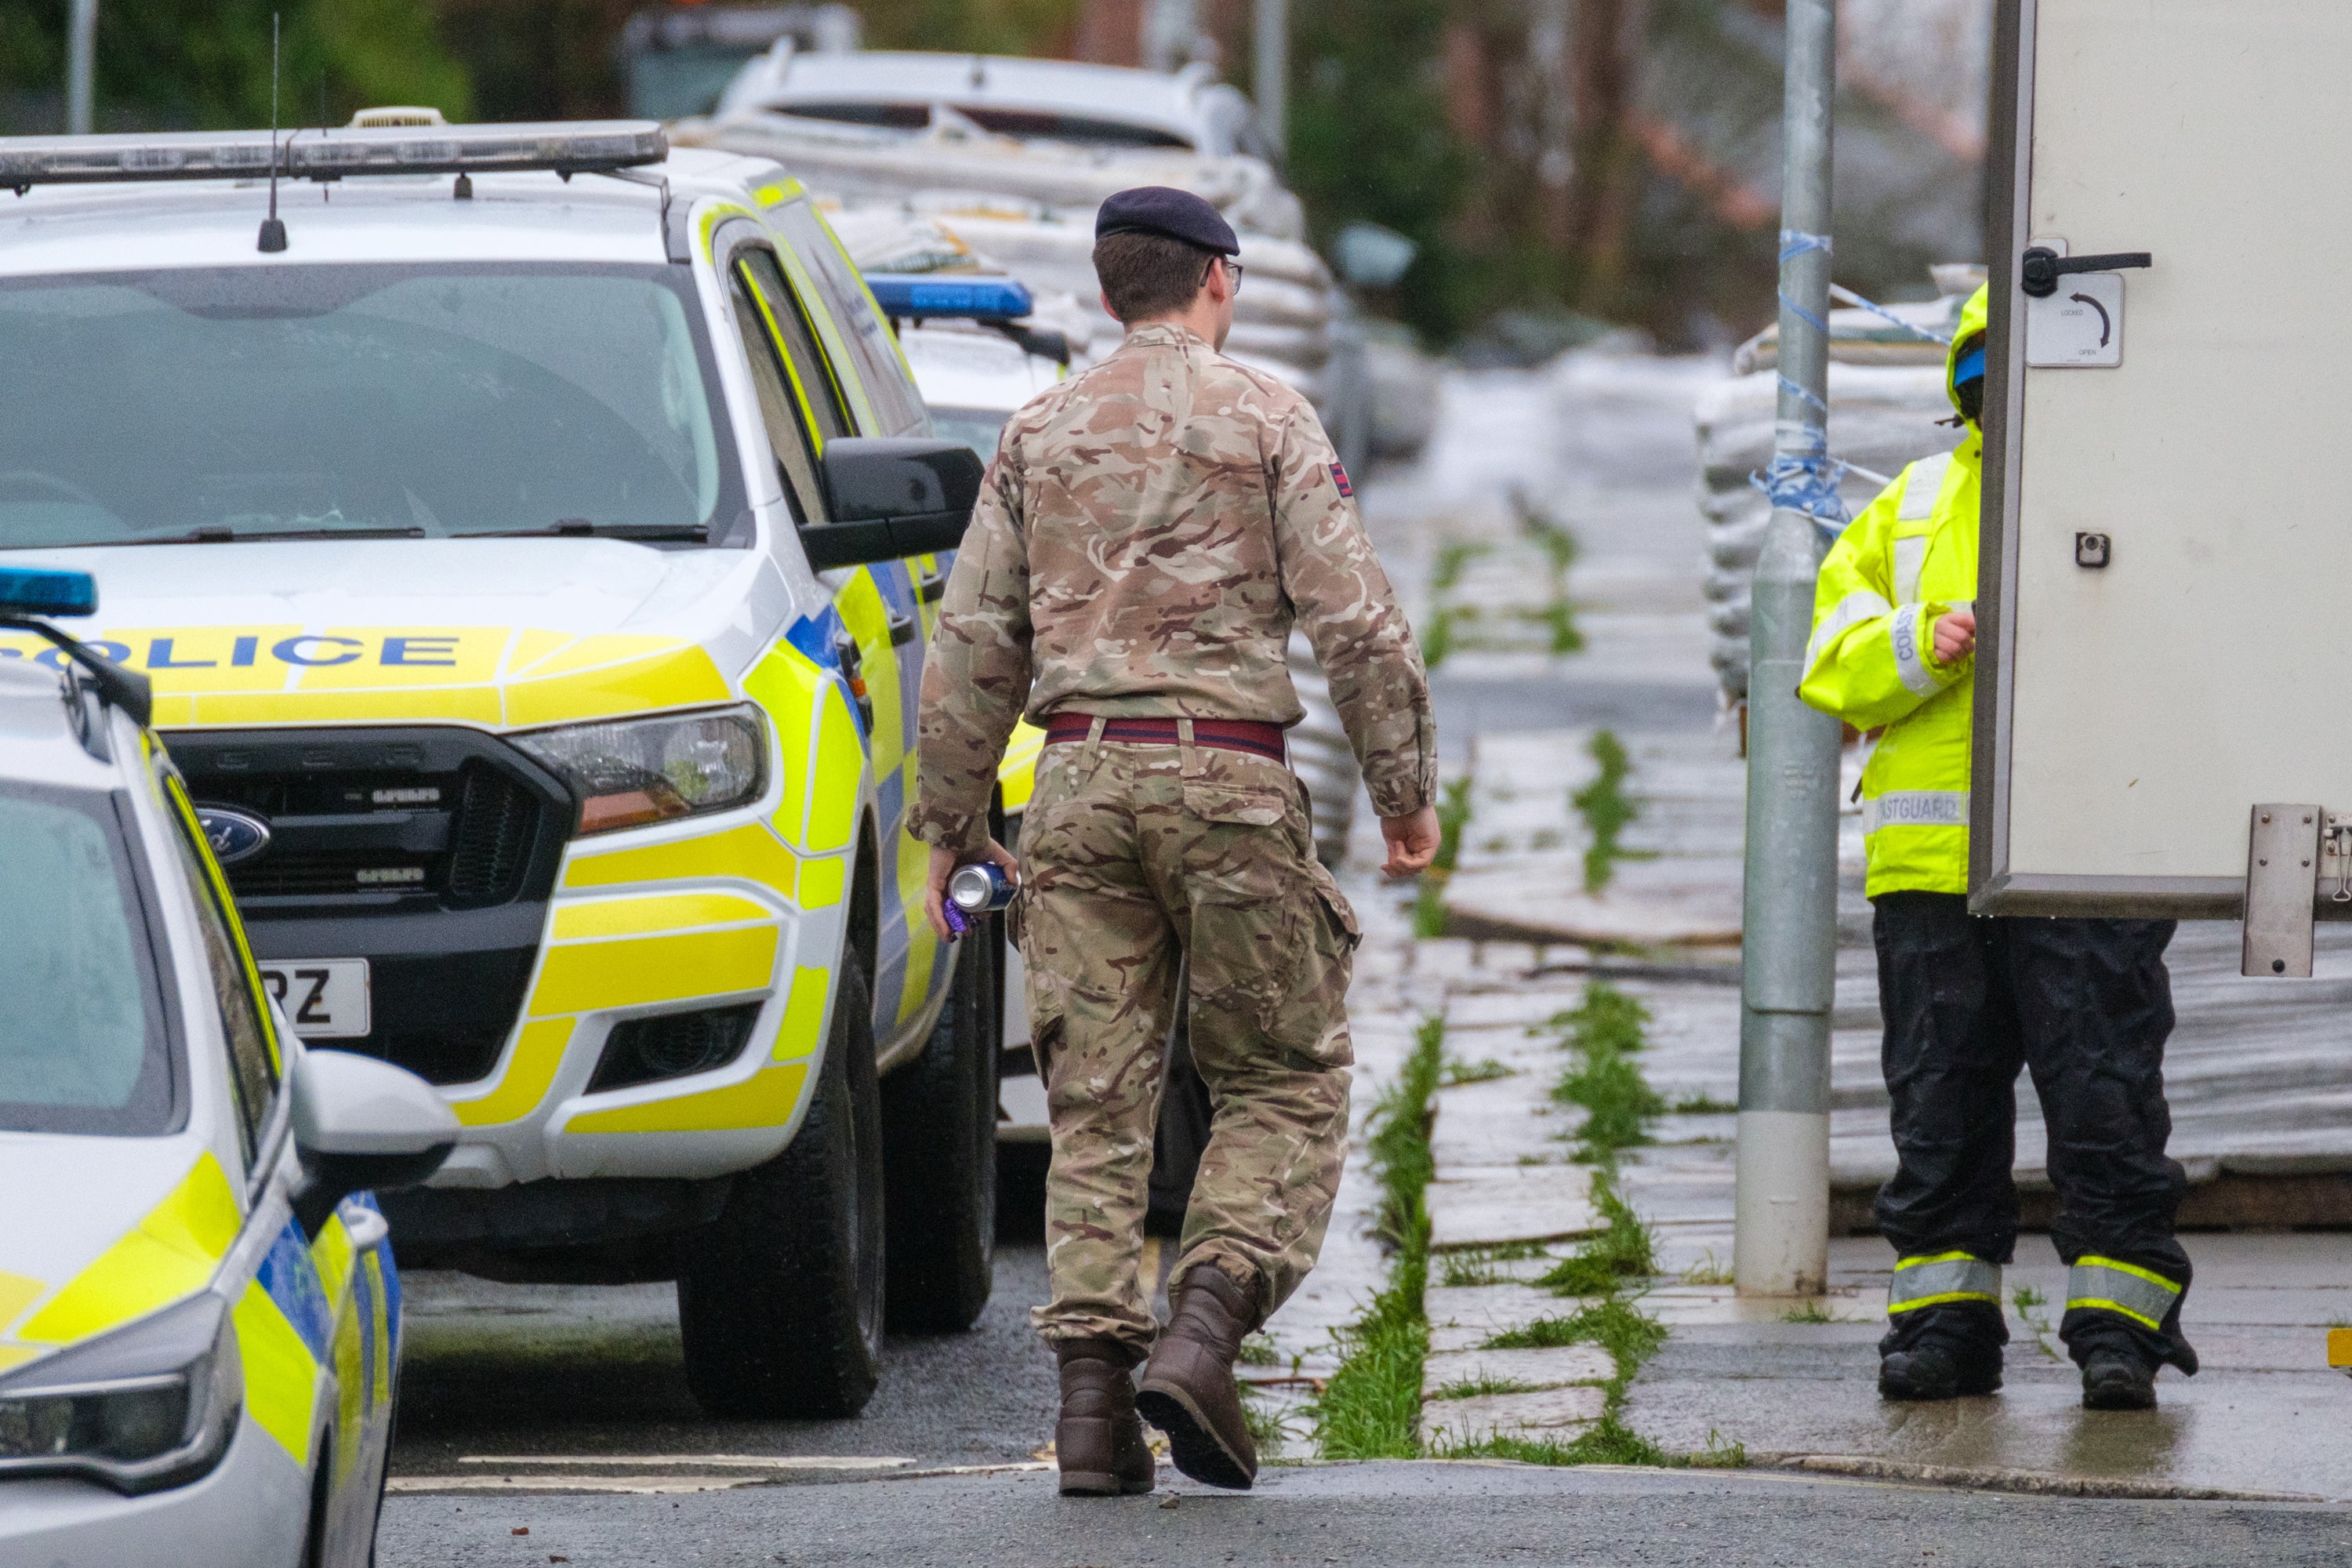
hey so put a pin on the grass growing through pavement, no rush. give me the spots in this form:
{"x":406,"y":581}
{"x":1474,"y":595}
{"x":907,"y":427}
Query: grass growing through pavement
{"x":1610,"y":1267}
{"x":1437,"y":636}
{"x":1606,"y":808}
{"x":1605,"y":1263}
{"x":1452,"y":558}
{"x":1371,"y":1407}
{"x":1604,"y":1035}
{"x":1439,"y":632}
{"x":2030,"y":1303}
{"x":1477,"y":1264}
{"x":1559,"y":546}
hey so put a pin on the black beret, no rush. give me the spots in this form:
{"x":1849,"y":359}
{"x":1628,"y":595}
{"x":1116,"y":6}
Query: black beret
{"x":1163,"y":209}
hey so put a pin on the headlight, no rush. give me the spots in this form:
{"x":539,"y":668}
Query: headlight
{"x":650,"y":770}
{"x":145,"y":1407}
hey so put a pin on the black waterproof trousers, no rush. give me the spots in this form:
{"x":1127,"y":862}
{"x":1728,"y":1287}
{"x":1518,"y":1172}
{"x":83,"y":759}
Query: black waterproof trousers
{"x":2085,"y":1005}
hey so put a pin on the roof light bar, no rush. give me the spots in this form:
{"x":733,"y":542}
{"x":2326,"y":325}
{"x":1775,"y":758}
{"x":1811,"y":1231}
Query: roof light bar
{"x":26,"y":591}
{"x":911,"y":296}
{"x":563,"y":147}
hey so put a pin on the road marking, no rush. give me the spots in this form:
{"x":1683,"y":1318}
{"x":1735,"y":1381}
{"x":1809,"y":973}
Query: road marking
{"x":673,"y":1461}
{"x":661,"y":1485}
{"x":640,"y":1484}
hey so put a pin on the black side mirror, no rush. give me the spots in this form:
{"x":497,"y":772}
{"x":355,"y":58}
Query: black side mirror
{"x":892,"y":497}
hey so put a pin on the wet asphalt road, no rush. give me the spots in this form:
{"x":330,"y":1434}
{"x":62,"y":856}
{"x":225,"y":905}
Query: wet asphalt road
{"x":1383,"y":1515}
{"x":518,"y":1370}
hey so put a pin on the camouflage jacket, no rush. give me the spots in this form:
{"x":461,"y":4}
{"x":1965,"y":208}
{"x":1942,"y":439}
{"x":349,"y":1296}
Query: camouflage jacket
{"x":1148,"y":533}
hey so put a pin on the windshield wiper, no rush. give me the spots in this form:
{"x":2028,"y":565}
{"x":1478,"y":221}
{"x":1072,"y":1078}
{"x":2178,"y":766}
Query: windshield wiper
{"x":240,"y":536}
{"x":580,"y":528}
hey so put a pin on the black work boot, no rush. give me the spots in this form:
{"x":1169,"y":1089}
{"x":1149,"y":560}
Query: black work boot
{"x":1933,"y":1370}
{"x":1099,"y":1441}
{"x":2117,"y":1380}
{"x":1189,"y":1390}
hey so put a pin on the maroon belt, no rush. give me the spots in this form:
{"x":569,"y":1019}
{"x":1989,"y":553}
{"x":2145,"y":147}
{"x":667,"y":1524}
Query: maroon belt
{"x":1252,"y":735}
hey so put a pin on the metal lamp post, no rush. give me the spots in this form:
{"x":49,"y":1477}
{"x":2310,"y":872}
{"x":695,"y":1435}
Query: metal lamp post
{"x":1782,"y":1243}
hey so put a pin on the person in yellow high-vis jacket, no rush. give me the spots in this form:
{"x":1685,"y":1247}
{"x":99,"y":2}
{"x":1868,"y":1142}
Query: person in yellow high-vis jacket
{"x":2085,"y":1004}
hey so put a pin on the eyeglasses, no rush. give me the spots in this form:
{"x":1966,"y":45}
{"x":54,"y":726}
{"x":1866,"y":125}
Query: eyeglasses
{"x":1232,"y":272}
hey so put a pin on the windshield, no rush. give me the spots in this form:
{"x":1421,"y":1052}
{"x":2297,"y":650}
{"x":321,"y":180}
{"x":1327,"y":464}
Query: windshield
{"x":977,"y":428}
{"x":429,"y":402}
{"x":82,"y":1046}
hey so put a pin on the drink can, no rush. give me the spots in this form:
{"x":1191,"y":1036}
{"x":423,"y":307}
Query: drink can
{"x":980,"y":889}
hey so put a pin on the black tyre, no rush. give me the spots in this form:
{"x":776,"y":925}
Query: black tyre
{"x":780,"y":1301}
{"x":939,"y":1137}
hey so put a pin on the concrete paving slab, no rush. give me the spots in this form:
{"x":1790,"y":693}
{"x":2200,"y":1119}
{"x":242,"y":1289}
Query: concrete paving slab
{"x":1560,"y":1413}
{"x":1504,"y":1121}
{"x":1683,"y":1304}
{"x":1692,"y":902}
{"x":1526,"y":1005}
{"x":1464,"y":1317}
{"x":2221,"y":1430}
{"x":1487,"y":1207}
{"x":1533,"y":1369}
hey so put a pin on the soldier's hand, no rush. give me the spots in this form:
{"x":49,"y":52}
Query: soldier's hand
{"x":944,"y":863}
{"x":1955,"y":636}
{"x":1411,"y":841}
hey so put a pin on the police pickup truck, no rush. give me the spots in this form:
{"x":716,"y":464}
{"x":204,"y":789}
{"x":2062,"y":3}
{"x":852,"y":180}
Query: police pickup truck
{"x":532,"y":535}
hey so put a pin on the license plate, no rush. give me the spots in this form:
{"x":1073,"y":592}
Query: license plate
{"x":327,"y":998}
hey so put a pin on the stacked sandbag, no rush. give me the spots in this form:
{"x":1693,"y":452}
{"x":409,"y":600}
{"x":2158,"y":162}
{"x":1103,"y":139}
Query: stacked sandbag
{"x":1029,"y":207}
{"x":1886,"y":397}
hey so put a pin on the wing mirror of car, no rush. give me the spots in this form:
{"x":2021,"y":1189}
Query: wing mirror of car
{"x":361,"y":1124}
{"x":892,"y":497}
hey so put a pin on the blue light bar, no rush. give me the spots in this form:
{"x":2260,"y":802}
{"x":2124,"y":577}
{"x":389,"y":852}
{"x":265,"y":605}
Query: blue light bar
{"x":915,"y":296}
{"x":24,"y":592}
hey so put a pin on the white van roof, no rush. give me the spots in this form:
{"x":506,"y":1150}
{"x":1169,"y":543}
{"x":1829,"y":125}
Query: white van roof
{"x":1190,"y":109}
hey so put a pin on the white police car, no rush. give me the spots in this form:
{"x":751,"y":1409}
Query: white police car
{"x":199,"y":1315}
{"x":533,"y":537}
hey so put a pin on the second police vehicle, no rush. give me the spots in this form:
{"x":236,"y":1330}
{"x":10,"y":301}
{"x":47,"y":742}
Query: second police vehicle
{"x":532,"y":534}
{"x":199,"y":1315}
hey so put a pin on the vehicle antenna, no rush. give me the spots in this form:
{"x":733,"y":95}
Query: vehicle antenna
{"x":273,"y":231}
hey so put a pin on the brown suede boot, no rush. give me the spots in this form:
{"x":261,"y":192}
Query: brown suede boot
{"x":1188,"y":1391}
{"x":1099,"y":1442}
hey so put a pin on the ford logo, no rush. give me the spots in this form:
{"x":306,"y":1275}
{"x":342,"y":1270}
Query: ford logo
{"x":234,"y":834}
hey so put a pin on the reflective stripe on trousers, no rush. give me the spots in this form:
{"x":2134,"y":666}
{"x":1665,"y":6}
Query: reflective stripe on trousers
{"x":2103,"y":1285}
{"x":1916,"y":808}
{"x":1941,"y":1277}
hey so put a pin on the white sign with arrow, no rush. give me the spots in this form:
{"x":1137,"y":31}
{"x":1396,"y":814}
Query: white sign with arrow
{"x":2079,"y":327}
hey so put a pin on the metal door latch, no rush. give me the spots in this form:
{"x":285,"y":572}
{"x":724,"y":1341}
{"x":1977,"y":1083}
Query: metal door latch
{"x":2285,"y":873}
{"x":2093,"y":549}
{"x":2042,"y":266}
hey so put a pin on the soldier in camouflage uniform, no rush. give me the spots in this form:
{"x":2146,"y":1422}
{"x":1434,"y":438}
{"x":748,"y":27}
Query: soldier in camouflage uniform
{"x":1146,"y":537}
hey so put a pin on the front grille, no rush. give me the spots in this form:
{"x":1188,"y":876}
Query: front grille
{"x":497,"y":820}
{"x":373,"y":822}
{"x":430,"y":851}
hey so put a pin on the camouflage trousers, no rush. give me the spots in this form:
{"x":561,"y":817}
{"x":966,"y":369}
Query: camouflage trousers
{"x":1134,"y":856}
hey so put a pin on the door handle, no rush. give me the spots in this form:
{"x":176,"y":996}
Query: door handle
{"x":2044,"y":265}
{"x":902,"y":630}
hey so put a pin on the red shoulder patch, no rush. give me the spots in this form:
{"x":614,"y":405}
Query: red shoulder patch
{"x":1339,"y":478}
